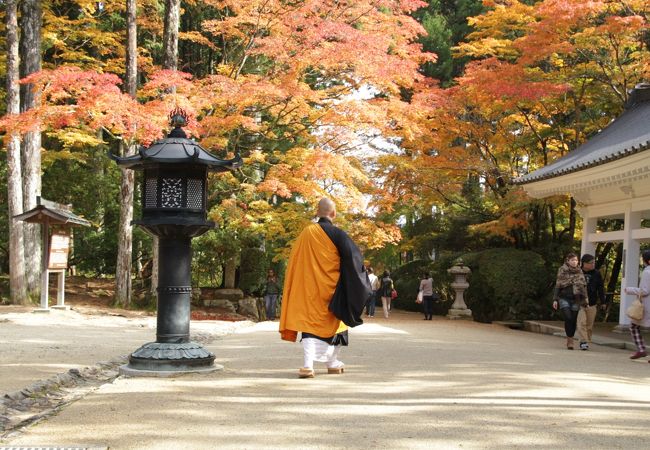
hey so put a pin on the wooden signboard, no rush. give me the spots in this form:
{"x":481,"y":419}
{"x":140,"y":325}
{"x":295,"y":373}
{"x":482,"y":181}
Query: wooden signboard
{"x":59,"y":249}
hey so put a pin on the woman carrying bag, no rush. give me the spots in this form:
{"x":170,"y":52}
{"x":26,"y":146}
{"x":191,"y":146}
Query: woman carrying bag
{"x":386,"y":291}
{"x":643,"y":291}
{"x":426,"y":288}
{"x":570,"y":294}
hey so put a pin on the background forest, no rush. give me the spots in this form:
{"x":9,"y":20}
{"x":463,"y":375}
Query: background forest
{"x":415,"y":117}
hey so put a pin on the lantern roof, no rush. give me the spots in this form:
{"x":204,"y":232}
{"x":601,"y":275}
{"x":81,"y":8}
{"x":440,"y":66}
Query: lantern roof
{"x":176,"y":148}
{"x":52,"y":213}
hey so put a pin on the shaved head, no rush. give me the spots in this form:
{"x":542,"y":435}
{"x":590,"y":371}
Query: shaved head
{"x":326,"y":208}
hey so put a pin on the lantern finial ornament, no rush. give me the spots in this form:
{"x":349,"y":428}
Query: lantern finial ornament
{"x":178,"y":118}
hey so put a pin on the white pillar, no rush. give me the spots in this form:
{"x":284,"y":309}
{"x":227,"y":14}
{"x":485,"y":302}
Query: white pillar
{"x":589,"y":225}
{"x":631,"y":262}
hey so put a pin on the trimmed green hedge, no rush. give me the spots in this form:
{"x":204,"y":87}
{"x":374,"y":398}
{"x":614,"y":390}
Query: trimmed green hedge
{"x":508,"y":284}
{"x":505,"y":284}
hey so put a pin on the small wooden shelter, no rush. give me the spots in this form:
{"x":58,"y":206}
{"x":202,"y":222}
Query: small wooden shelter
{"x":56,"y":245}
{"x":609,"y":178}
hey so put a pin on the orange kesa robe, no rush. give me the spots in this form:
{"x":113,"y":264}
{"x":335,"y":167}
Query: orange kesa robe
{"x":309,"y":283}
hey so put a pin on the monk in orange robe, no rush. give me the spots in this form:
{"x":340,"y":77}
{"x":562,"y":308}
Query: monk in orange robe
{"x":325,"y":289}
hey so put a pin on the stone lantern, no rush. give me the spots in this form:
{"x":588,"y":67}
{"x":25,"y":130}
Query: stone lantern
{"x":174,"y":208}
{"x":459,"y":309}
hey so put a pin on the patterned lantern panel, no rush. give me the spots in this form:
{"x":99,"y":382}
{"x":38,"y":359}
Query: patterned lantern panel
{"x":181,"y":191}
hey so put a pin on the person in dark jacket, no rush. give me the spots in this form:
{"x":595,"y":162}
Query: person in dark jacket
{"x":596,"y":296}
{"x":271,"y":293}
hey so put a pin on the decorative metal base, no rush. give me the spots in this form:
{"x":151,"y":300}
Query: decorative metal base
{"x":174,"y":357}
{"x":128,"y":372}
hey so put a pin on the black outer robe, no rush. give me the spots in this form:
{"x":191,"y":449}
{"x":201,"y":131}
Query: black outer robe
{"x":353,"y":287}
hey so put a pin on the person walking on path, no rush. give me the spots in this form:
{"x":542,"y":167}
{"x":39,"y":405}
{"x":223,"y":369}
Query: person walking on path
{"x":644,"y":292}
{"x":271,"y":293}
{"x":426,"y":287}
{"x":570,"y":294}
{"x":596,"y":297}
{"x":325,"y":289}
{"x":386,"y":292}
{"x":374,"y":285}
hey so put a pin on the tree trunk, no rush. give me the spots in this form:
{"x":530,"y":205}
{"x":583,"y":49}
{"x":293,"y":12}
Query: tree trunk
{"x":170,"y":62}
{"x":131,"y":78}
{"x":125,"y":238}
{"x":573,"y":217}
{"x":17,"y":282}
{"x":616,"y":271}
{"x":551,"y":219}
{"x":170,"y":35}
{"x":123,"y":278}
{"x":601,"y":256}
{"x":31,"y":20}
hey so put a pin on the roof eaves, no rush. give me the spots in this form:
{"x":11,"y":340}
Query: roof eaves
{"x":587,"y":165}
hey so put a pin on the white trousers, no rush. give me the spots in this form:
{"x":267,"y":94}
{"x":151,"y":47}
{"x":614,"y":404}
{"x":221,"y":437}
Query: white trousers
{"x":319,"y":351}
{"x":385,"y":304}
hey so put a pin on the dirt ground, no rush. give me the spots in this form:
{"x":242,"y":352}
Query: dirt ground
{"x":94,"y":296}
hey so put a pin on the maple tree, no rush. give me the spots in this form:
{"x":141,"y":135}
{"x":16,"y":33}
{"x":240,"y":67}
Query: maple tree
{"x":545,"y":76}
{"x":331,"y":98}
{"x":283,"y":95}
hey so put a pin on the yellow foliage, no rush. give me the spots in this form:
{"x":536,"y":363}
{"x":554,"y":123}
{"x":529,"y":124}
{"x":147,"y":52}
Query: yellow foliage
{"x":72,"y":138}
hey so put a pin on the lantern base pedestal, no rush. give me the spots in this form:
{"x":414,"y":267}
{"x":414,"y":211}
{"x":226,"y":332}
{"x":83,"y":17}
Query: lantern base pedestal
{"x":168,"y":359}
{"x":460,"y":314}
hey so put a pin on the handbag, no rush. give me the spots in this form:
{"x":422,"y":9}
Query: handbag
{"x":418,"y":299}
{"x":635,"y":310}
{"x":393,"y":294}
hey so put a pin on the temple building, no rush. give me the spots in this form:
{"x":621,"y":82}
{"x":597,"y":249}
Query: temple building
{"x":608,"y":176}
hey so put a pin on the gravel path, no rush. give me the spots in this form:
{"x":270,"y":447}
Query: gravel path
{"x":409,"y":384}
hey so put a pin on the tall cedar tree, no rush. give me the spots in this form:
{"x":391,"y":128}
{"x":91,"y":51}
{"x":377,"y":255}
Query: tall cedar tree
{"x":17,"y":282}
{"x":127,"y":177}
{"x":31,"y":17}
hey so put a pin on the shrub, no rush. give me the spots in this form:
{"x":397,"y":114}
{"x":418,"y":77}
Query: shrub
{"x":508,"y":284}
{"x":407,"y":281}
{"x":252,"y":271}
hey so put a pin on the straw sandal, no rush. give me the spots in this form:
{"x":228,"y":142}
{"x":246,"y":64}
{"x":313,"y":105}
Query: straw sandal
{"x":305,"y":372}
{"x":335,"y":370}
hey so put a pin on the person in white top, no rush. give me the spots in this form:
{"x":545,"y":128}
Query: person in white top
{"x":426,"y":287}
{"x":644,"y":291}
{"x":374,"y":285}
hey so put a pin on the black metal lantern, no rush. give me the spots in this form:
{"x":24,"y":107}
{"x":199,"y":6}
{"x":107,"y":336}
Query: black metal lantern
{"x":174,"y":208}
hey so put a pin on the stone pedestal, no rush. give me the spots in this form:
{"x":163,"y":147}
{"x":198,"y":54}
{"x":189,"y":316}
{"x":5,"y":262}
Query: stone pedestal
{"x":459,"y":309}
{"x":466,"y":313}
